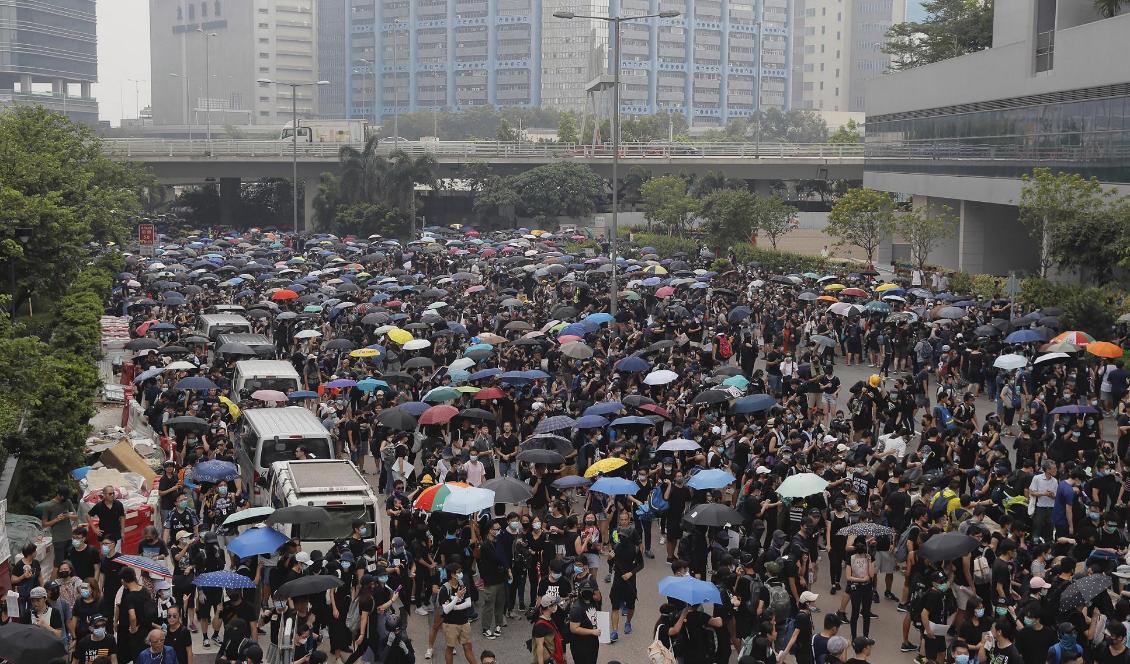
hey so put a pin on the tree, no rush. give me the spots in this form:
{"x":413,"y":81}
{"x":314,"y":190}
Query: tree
{"x":506,"y":133}
{"x":1065,"y":213}
{"x":1108,"y":8}
{"x":951,"y":28}
{"x":326,"y":201}
{"x":773,"y":218}
{"x":630,"y":184}
{"x":774,"y":126}
{"x":848,"y":133}
{"x":712,"y":181}
{"x":567,"y":128}
{"x":557,"y":190}
{"x":365,"y":219}
{"x":1089,"y":310}
{"x":860,"y":219}
{"x":729,"y":216}
{"x":496,"y":201}
{"x":666,"y":202}
{"x":922,"y":230}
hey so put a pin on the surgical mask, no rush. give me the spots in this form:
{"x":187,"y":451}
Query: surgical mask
{"x":1093,"y":516}
{"x":163,"y":593}
{"x":1028,"y":622}
{"x":223,"y":492}
{"x":99,"y":632}
{"x":578,"y":570}
{"x":537,"y":525}
{"x":76,"y":543}
{"x":183,"y":504}
{"x":279,"y":606}
{"x":980,"y":613}
{"x":943,"y":586}
{"x":853,"y":503}
{"x":345,"y":564}
{"x":514,"y":527}
{"x":1067,"y":642}
{"x":1110,"y":529}
{"x":961,"y":659}
{"x":85,"y":594}
{"x":1002,"y":610}
{"x":459,"y":576}
{"x":383,"y":578}
{"x":364,"y":531}
{"x":553,"y":576}
{"x":105,"y":549}
{"x":642,"y":477}
{"x":474,"y":457}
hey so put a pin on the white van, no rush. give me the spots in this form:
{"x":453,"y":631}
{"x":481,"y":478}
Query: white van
{"x":256,"y":342}
{"x":333,"y":484}
{"x":268,"y":435}
{"x":213,"y":325}
{"x":251,"y":375}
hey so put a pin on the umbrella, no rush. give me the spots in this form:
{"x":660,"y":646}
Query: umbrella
{"x":188,"y":422}
{"x":1010,"y":362}
{"x":248,"y":516}
{"x":509,"y":490}
{"x":468,"y":501}
{"x":441,"y":394}
{"x":576,"y":351}
{"x":224,"y":578}
{"x":823,"y":341}
{"x":439,"y":414}
{"x":713,"y":514}
{"x":570,"y":482}
{"x":866,"y":529}
{"x":398,"y":419}
{"x":555,"y":423}
{"x":268,"y":395}
{"x":690,"y":590}
{"x":591,"y":422}
{"x":30,"y":644}
{"x":143,"y":343}
{"x":633,"y":364}
{"x":1075,"y":410}
{"x":214,"y":471}
{"x":801,"y":485}
{"x":257,"y":541}
{"x":948,"y":546}
{"x":615,"y":486}
{"x":540,"y":456}
{"x":195,"y":383}
{"x":951,"y":313}
{"x":680,"y":445}
{"x":1104,"y":349}
{"x":604,"y":408}
{"x":152,"y":567}
{"x":605,"y":466}
{"x":1051,"y":357}
{"x":1083,"y":591}
{"x":1074,"y":337}
{"x":1024,"y":337}
{"x":477,"y":414}
{"x":711,"y":479}
{"x":298,"y":514}
{"x":711,"y":397}
{"x":754,"y":403}
{"x":548,"y":441}
{"x":306,"y":585}
{"x":632,"y":421}
{"x":660,"y":377}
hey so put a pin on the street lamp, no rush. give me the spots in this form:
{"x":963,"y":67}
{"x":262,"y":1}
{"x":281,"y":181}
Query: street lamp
{"x":187,"y":102}
{"x":395,"y":88}
{"x":615,"y":21}
{"x":293,"y":137}
{"x":23,"y":236}
{"x":136,"y":95}
{"x":207,"y":80}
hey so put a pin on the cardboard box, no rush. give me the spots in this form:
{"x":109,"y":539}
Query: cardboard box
{"x":123,"y":457}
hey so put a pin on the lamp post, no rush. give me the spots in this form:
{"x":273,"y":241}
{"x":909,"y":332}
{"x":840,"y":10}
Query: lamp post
{"x":396,"y":88}
{"x":207,"y":79}
{"x":187,"y":103}
{"x":293,"y":138}
{"x":23,"y":236}
{"x":136,"y":95}
{"x":615,"y":21}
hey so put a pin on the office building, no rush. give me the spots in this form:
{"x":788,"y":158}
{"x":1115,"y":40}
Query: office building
{"x":1053,"y":91}
{"x":207,"y":57}
{"x":719,"y":59}
{"x":333,"y":57}
{"x":49,"y":56}
{"x":839,"y":49}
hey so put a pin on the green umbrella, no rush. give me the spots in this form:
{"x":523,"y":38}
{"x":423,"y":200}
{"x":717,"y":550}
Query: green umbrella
{"x":740,"y":382}
{"x":878,"y":307}
{"x":801,"y":485}
{"x":442,"y":394}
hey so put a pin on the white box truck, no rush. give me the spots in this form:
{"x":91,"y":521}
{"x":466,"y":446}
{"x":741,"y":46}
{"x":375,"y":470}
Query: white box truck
{"x":333,"y":484}
{"x":328,"y":131}
{"x":251,"y":375}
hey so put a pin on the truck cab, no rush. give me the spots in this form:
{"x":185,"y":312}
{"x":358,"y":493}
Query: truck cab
{"x":213,"y":325}
{"x":332,"y":484}
{"x":271,"y":435}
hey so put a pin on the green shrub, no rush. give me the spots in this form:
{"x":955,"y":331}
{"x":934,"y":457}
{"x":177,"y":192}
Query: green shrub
{"x":720,"y":265}
{"x":1040,"y":292}
{"x":1090,"y":310}
{"x":666,"y":246}
{"x":987,"y":286}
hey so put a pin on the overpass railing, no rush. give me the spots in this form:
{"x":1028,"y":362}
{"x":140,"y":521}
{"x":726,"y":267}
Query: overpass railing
{"x":218,"y":149}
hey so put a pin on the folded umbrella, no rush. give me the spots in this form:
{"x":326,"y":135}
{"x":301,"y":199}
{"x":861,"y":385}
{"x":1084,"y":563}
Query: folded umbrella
{"x":690,"y":590}
{"x":713,"y":514}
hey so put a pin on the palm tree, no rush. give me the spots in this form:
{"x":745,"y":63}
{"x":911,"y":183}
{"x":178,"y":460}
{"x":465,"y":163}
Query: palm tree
{"x":327,"y":200}
{"x":405,"y":173}
{"x":1108,"y":8}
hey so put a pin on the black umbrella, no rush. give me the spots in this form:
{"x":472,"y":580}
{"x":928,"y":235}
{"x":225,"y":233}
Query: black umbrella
{"x":477,"y":414}
{"x":713,"y":514}
{"x":299,"y":514}
{"x":540,"y":456}
{"x":395,"y":418}
{"x":948,"y":546}
{"x":339,"y":344}
{"x":711,"y":397}
{"x":419,"y":363}
{"x":392,"y":377}
{"x":29,"y":644}
{"x":188,"y":422}
{"x":564,"y":313}
{"x":636,"y":400}
{"x":548,"y":441}
{"x":1084,"y":591}
{"x":509,"y":490}
{"x":306,"y":585}
{"x":866,"y":529}
{"x":143,"y":343}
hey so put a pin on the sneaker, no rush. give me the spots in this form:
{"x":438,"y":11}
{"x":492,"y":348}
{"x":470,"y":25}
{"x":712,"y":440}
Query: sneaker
{"x":835,"y":588}
{"x":428,"y":653}
{"x":608,"y":578}
{"x":662,"y":540}
{"x":207,"y":643}
{"x":421,"y":611}
{"x":907,"y":646}
{"x":872,"y":614}
{"x":875,"y":598}
{"x":903,"y":608}
{"x":843,"y":615}
{"x":488,"y":634}
{"x":649,"y":554}
{"x":509,"y":615}
{"x":891,"y":596}
{"x":627,"y":628}
{"x":522,"y":607}
{"x":614,"y":638}
{"x":497,"y":632}
{"x":194,"y":628}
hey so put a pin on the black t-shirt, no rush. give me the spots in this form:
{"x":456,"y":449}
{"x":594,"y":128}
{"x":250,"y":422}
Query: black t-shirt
{"x":169,"y":499}
{"x":242,"y":610}
{"x":143,"y":607}
{"x":109,"y":518}
{"x":455,"y":616}
{"x":938,"y":607}
{"x":1104,"y":656}
{"x":582,"y":642}
{"x":88,"y":649}
{"x":84,"y":562}
{"x":180,"y":640}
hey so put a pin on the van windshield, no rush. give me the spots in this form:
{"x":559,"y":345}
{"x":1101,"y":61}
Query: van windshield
{"x":340,"y":524}
{"x":284,"y":384}
{"x":283,"y":449}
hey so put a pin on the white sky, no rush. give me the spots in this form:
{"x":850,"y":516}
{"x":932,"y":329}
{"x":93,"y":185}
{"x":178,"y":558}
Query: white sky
{"x":123,"y":54}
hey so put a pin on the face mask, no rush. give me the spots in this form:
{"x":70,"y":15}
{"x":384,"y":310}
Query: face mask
{"x":578,"y":570}
{"x":514,"y":527}
{"x":183,"y":504}
{"x":364,"y":531}
{"x":99,"y":632}
{"x":1093,"y":516}
{"x":459,"y":576}
{"x":1067,"y":642}
{"x":76,"y":543}
{"x":65,"y":573}
{"x":553,"y":576}
{"x":961,"y":659}
{"x":105,"y":549}
{"x":537,"y":525}
{"x":943,"y":587}
{"x":853,"y":503}
{"x":1001,"y":610}
{"x":85,"y":594}
{"x":1028,"y":622}
{"x":590,"y":524}
{"x":280,"y":606}
{"x":643,"y":477}
{"x":980,"y":613}
{"x":450,"y":537}
{"x":383,"y":578}
{"x":345,"y":564}
{"x":223,"y":492}
{"x":1110,"y":529}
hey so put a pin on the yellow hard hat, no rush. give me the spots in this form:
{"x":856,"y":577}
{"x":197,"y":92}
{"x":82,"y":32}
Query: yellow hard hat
{"x":874,"y":380}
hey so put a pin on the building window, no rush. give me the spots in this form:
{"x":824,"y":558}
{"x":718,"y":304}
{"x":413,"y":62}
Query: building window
{"x":191,"y":12}
{"x":203,"y":10}
{"x":216,"y":8}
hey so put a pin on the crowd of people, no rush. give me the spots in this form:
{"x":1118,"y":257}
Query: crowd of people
{"x":711,"y":395}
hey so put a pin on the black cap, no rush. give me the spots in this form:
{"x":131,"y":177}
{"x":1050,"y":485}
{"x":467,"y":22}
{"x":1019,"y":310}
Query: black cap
{"x":860,"y":643}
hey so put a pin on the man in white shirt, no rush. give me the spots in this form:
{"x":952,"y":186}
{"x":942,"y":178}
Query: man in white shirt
{"x":1042,"y":490}
{"x":476,"y":471}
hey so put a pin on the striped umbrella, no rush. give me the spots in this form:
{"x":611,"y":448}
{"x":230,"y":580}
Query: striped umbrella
{"x":1074,"y":337}
{"x":145,"y":565}
{"x":432,"y":498}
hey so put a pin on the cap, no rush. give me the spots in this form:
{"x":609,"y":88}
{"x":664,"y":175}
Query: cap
{"x":348,"y":555}
{"x":808,"y":596}
{"x":163,"y":584}
{"x":170,"y":464}
{"x":1038,"y":582}
{"x":51,"y":585}
{"x":842,"y":448}
{"x":98,"y":619}
{"x":1122,"y":572}
{"x":1003,"y":601}
{"x":829,"y":439}
{"x":304,"y":558}
{"x":874,"y":380}
{"x":548,"y":600}
{"x":837,"y":645}
{"x":938,"y":577}
{"x":398,"y":541}
{"x":183,"y":534}
{"x":861,"y":642}
{"x":773,"y":567}
{"x":762,"y":470}
{"x":368,"y":578}
{"x":38,"y":592}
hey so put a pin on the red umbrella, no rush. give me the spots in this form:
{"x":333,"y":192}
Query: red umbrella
{"x":284,"y":295}
{"x":393,"y":303}
{"x":490,"y":393}
{"x":666,"y":291}
{"x":472,"y":233}
{"x":439,"y":414}
{"x":853,"y":292}
{"x":656,"y":410}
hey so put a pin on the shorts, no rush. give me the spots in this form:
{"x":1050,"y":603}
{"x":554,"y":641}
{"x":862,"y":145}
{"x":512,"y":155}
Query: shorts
{"x":622,"y":598}
{"x":935,"y":645}
{"x":829,"y":401}
{"x":964,"y":594}
{"x":592,"y":560}
{"x":456,"y":634}
{"x":885,"y":562}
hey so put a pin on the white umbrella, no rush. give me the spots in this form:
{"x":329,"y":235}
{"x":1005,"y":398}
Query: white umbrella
{"x":468,"y":501}
{"x":679,"y":445}
{"x":417,"y":344}
{"x":461,"y":364}
{"x":845,"y":309}
{"x":384,"y":329}
{"x":181,"y":365}
{"x":1010,"y":362}
{"x":307,"y":334}
{"x":660,"y":377}
{"x":801,"y":485}
{"x":1051,"y":356}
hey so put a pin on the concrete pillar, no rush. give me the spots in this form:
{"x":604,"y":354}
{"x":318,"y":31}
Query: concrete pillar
{"x":58,"y":86}
{"x":309,"y":191}
{"x":993,"y":240}
{"x":229,"y":201}
{"x":25,"y":83}
{"x":946,"y":251}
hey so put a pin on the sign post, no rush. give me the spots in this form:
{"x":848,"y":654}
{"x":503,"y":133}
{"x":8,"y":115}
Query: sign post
{"x":147,"y":239}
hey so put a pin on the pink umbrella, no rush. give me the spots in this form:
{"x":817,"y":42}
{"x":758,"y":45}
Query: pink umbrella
{"x":268,"y":395}
{"x":666,"y":291}
{"x":567,"y":338}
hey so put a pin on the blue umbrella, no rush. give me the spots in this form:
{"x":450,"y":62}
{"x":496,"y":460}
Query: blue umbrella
{"x":414,"y":408}
{"x":591,"y":422}
{"x":535,"y":374}
{"x":147,"y":374}
{"x":341,"y":383}
{"x":1074,"y":410}
{"x":162,"y":327}
{"x":223,"y":579}
{"x":457,"y":328}
{"x":711,"y":479}
{"x":302,"y":394}
{"x":754,"y":403}
{"x":1024,"y":337}
{"x":517,"y":377}
{"x":570,"y":482}
{"x":371,"y":385}
{"x":484,"y":373}
{"x":615,"y":486}
{"x":604,"y":408}
{"x":195,"y":383}
{"x":555,"y":423}
{"x":633,"y":364}
{"x":257,"y":541}
{"x":214,"y":471}
{"x":738,"y":314}
{"x":632,"y":421}
{"x":575,"y":329}
{"x":599,"y":318}
{"x":690,"y":590}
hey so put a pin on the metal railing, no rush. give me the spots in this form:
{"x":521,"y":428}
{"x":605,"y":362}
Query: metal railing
{"x":220,"y":149}
{"x":1092,"y":151}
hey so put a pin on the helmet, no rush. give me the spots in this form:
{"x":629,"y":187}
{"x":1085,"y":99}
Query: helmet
{"x":874,"y":380}
{"x":392,"y":622}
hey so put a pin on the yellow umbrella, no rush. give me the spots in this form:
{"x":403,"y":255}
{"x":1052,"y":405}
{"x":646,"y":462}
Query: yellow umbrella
{"x":882,"y":288}
{"x":233,"y":409}
{"x":605,"y":466}
{"x":399,"y":336}
{"x":655,"y":269}
{"x":364,"y":352}
{"x":835,"y":287}
{"x":467,"y":389}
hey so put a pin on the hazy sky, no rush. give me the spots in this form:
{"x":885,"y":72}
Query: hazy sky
{"x":123,"y":54}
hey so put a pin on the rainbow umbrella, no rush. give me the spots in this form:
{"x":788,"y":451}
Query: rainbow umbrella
{"x":1074,"y":337}
{"x":433,"y":498}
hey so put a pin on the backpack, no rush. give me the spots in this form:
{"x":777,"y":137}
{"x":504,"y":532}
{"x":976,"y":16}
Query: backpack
{"x":657,"y":653}
{"x":725,"y":350}
{"x":657,"y":502}
{"x":944,"y":417}
{"x":755,"y":587}
{"x":902,"y":548}
{"x":939,"y":504}
{"x":353,"y":616}
{"x":780,"y":604}
{"x":982,"y":570}
{"x":1058,"y":650}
